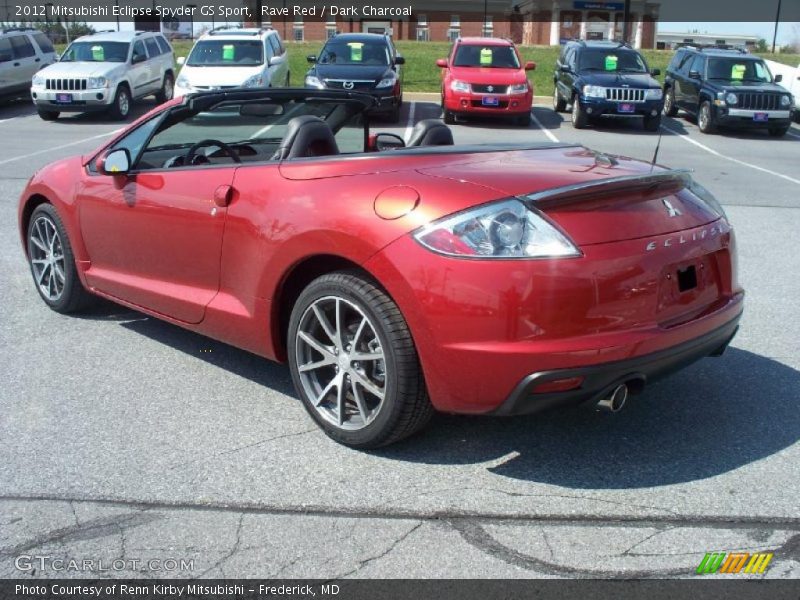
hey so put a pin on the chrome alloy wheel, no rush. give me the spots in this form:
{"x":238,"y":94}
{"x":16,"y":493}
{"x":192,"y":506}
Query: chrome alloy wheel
{"x":341,"y":363}
{"x":47,"y":258}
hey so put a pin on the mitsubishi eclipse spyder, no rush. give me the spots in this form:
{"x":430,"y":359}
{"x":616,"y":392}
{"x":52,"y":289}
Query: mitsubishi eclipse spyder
{"x":395,"y":279}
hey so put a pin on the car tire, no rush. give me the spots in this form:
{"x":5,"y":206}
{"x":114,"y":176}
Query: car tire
{"x":579,"y":117}
{"x":376,"y":400}
{"x":167,"y":91}
{"x":121,"y":107}
{"x":449,"y":117}
{"x":651,"y":123}
{"x":559,"y":104}
{"x":52,"y":262}
{"x":48,"y":115}
{"x":779,"y":131}
{"x":670,"y":108}
{"x":705,"y":118}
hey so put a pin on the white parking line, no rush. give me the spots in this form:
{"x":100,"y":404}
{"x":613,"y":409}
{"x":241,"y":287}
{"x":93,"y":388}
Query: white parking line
{"x":54,"y":148}
{"x":730,"y":158}
{"x":410,"y":122}
{"x":547,"y":132}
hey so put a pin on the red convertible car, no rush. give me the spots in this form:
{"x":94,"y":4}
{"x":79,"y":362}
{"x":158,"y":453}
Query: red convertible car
{"x":395,"y":281}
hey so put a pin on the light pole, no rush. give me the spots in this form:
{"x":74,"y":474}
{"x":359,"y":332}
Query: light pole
{"x":191,"y":8}
{"x":777,"y":18}
{"x":485,"y":14}
{"x":116,"y":3}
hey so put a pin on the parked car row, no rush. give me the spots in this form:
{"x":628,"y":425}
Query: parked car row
{"x":479,"y":77}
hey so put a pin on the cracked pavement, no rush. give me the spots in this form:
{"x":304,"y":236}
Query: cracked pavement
{"x":124,"y":438}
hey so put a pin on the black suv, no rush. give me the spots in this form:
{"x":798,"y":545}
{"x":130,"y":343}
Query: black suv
{"x":606,"y":78}
{"x":726,"y":88}
{"x":361,"y":62}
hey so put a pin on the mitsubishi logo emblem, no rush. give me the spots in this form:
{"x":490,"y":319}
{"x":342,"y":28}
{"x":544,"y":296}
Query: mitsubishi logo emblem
{"x":348,"y":85}
{"x":673,"y":212}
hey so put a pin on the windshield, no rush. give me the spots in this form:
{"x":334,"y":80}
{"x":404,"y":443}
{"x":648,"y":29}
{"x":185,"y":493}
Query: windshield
{"x":615,"y":61}
{"x":738,"y":70}
{"x":226,"y":53}
{"x":342,"y":52}
{"x":496,"y":57}
{"x":96,"y":52}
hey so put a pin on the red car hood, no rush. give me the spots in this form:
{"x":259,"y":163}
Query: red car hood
{"x":617,"y":213}
{"x":488,"y":76}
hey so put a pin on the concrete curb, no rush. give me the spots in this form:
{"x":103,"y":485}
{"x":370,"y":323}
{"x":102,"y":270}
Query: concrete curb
{"x":435,"y":96}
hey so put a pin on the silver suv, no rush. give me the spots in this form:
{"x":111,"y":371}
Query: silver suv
{"x":106,"y":71}
{"x":23,"y":51}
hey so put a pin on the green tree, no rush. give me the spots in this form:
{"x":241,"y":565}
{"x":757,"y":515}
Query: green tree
{"x":761,"y":46}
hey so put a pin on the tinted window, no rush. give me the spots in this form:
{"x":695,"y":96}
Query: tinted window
{"x":22,"y":46}
{"x":343,"y":52}
{"x":96,"y":52}
{"x":683,"y":67}
{"x":496,"y":57}
{"x":697,"y":64}
{"x":276,"y":47}
{"x":135,"y":140}
{"x":152,"y":47}
{"x":5,"y":48}
{"x":138,"y":49}
{"x":611,"y":60}
{"x":226,"y":53}
{"x":676,"y":60}
{"x":44,"y":42}
{"x":735,"y":69}
{"x":163,"y":45}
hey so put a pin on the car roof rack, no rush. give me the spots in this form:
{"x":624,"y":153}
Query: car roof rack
{"x":728,"y":47}
{"x":238,"y":31}
{"x":11,"y":29}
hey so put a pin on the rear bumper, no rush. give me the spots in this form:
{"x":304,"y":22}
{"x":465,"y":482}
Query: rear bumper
{"x":598,"y":380}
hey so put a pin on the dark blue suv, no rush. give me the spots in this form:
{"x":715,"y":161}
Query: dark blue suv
{"x":606,"y":79}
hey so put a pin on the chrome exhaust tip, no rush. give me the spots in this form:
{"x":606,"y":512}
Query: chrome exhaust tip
{"x":615,"y":400}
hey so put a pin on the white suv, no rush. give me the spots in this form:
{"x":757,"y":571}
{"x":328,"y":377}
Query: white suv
{"x":22,"y":52}
{"x":106,"y":71}
{"x":230,"y":58}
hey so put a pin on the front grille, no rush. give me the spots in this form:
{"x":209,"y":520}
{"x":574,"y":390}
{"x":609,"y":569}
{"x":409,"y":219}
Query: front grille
{"x":625,"y":95}
{"x":481,"y":88}
{"x":358,"y":84}
{"x":65,"y":84}
{"x":758,"y":101}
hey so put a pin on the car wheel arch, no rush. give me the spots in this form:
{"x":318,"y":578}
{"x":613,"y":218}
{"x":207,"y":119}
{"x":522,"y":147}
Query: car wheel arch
{"x":31,"y":204}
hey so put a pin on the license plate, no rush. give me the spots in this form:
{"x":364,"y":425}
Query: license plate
{"x":625,"y":108}
{"x":64,"y":98}
{"x":761,"y":117}
{"x":490,"y":101}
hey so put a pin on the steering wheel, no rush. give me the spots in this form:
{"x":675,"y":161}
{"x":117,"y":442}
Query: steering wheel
{"x":192,"y":158}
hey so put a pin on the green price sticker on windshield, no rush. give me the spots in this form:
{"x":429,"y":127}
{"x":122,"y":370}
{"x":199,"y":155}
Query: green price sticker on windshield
{"x":486,"y":56}
{"x":737,"y":71}
{"x":227,"y":52}
{"x":611,"y":63}
{"x":356,"y":51}
{"x":98,"y":53}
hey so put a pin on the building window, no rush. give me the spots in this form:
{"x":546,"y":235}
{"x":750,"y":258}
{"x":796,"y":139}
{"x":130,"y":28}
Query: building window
{"x":298,"y":33}
{"x":422,"y":20}
{"x":455,"y":21}
{"x":330,"y":32}
{"x":267,"y":24}
{"x":422,"y":34}
{"x":488,"y":26}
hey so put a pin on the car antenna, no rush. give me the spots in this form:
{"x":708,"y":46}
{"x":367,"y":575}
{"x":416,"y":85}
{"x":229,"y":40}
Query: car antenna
{"x":658,"y":146}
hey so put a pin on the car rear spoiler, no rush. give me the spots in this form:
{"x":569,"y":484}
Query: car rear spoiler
{"x":639,"y":187}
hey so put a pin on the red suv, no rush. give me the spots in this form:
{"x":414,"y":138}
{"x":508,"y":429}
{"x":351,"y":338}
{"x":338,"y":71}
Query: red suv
{"x":485,"y":76}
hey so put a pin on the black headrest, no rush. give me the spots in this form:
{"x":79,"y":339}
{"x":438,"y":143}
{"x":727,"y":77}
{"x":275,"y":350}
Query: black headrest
{"x":306,"y":136}
{"x":430,"y":132}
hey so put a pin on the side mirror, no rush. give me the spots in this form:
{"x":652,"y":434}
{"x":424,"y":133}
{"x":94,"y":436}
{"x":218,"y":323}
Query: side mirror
{"x":565,"y":69}
{"x":694,"y":74}
{"x":442,"y":63}
{"x":655,"y":72}
{"x":530,"y":66}
{"x":137,"y":58}
{"x":5,"y":57}
{"x":181,"y":60}
{"x":275,"y":60}
{"x":778,"y":78}
{"x":312,"y":58}
{"x":114,"y":162}
{"x":386,"y":141}
{"x":399,"y":60}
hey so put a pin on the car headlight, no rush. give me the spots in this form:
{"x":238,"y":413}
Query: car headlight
{"x":518,"y":88}
{"x":594,"y":91}
{"x":654,"y":94}
{"x":786,"y":100}
{"x":708,"y":198}
{"x":459,"y":86}
{"x":731,"y":98}
{"x":387,"y":82}
{"x":500,"y":230}
{"x":37,"y":81}
{"x":254,"y":81}
{"x":97,"y":82}
{"x":313,"y":81}
{"x":183,"y":82}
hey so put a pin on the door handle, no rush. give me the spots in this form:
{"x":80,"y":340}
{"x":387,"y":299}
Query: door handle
{"x":16,"y":64}
{"x":37,"y":60}
{"x":223,"y":195}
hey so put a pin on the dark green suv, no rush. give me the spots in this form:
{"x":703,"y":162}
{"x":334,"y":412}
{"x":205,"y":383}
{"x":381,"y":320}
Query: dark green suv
{"x":726,"y":88}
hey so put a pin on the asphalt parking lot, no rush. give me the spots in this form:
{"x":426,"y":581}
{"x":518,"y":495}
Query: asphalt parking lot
{"x":122,"y":437}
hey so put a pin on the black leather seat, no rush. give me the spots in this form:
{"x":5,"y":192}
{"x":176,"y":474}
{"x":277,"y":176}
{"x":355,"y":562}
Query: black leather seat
{"x":305,"y":137}
{"x":430,"y":132}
